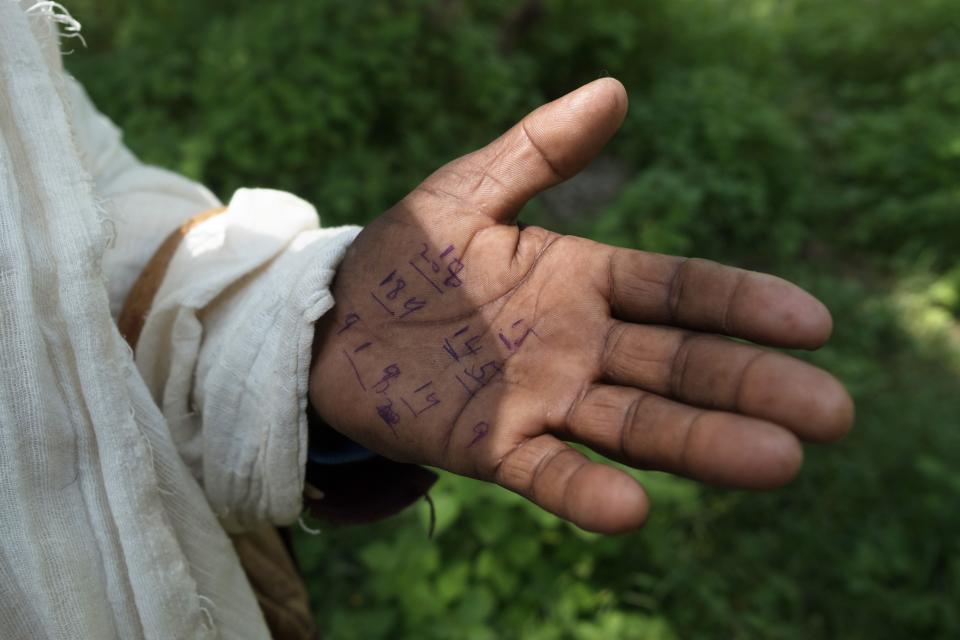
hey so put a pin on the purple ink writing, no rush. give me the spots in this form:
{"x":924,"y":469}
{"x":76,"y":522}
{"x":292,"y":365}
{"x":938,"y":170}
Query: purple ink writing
{"x":396,"y":285}
{"x":418,"y":405}
{"x":519,"y":335}
{"x":427,"y":267}
{"x":388,"y":415}
{"x":426,"y":277}
{"x":348,"y":322}
{"x":389,"y":373}
{"x":479,"y":431}
{"x":475,"y":378}
{"x":391,"y":300}
{"x":485,"y":373}
{"x":380,"y":302}
{"x":355,"y":372}
{"x":454,"y":269}
{"x":461,"y":347}
{"x":411,"y":305}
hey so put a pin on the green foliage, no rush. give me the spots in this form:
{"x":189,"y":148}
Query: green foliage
{"x":811,"y":116}
{"x":813,"y":138}
{"x":884,"y":104}
{"x":497,"y":568}
{"x":314,"y":97}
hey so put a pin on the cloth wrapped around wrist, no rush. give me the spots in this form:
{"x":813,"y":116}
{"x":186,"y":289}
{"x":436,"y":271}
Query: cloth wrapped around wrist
{"x":345,"y":483}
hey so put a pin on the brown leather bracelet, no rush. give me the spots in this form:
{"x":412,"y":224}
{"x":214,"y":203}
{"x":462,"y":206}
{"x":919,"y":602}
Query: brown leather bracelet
{"x":144,"y":290}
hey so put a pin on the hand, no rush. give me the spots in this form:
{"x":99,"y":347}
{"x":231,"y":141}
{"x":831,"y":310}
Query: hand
{"x":463,"y":341}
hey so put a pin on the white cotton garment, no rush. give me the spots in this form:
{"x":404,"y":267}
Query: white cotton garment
{"x":117,"y":478}
{"x":226,"y":350}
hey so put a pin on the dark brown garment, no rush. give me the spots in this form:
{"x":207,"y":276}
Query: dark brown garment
{"x":276,"y":582}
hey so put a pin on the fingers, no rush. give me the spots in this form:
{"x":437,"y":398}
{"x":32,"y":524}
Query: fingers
{"x":704,"y":295}
{"x":713,"y":372}
{"x":561,"y":480}
{"x":645,"y":430}
{"x":549,"y":145}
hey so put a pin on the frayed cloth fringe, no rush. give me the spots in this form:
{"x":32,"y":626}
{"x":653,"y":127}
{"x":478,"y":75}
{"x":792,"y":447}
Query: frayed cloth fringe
{"x":57,"y":13}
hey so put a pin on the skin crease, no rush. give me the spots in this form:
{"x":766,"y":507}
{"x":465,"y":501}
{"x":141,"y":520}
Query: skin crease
{"x":553,"y":339}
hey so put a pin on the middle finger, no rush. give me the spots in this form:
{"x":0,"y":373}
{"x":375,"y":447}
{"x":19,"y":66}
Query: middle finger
{"x":718,"y":373}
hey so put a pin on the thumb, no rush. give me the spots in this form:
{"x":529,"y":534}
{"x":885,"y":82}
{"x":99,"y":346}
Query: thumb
{"x":548,"y":146}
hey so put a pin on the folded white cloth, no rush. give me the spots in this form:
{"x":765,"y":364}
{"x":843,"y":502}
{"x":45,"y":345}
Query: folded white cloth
{"x":108,"y":469}
{"x":226,"y":350}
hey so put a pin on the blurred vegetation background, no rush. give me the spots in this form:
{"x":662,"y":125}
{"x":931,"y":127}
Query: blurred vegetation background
{"x":816,"y":139}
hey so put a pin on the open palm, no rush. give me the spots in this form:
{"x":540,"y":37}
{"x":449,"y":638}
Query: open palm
{"x":464,"y":341}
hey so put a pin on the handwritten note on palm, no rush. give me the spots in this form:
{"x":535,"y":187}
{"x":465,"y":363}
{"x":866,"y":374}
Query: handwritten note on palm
{"x":463,"y":341}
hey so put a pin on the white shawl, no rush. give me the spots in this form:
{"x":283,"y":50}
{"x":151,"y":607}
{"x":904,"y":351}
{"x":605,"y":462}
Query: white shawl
{"x":108,"y":469}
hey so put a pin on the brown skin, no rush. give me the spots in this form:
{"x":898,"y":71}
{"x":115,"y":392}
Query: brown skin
{"x":566,"y":340}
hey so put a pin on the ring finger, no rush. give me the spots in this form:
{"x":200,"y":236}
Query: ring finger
{"x":718,"y":373}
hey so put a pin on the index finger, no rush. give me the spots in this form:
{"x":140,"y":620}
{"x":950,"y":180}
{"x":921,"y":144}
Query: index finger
{"x":707,"y":296}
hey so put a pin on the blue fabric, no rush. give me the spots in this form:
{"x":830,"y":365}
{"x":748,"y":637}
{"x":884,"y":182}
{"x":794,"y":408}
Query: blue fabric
{"x":347,"y":452}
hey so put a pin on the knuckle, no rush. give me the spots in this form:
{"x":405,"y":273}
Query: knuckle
{"x":629,"y":425}
{"x":675,"y":287}
{"x":609,"y":359}
{"x":679,"y":363}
